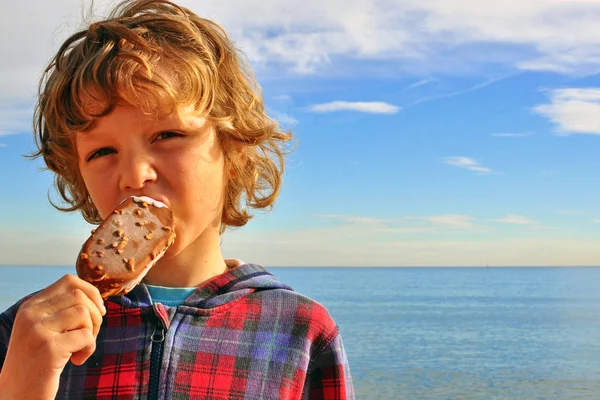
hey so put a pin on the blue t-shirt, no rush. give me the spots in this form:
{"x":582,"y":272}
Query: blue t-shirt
{"x":174,"y":297}
{"x":168,"y":296}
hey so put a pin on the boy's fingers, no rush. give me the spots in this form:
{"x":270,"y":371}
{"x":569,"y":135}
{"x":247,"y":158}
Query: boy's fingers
{"x":79,"y":343}
{"x":69,"y":319}
{"x":65,"y":284}
{"x":77,"y":298}
{"x":79,"y":357}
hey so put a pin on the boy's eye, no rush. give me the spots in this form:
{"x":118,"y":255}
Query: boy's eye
{"x":100,"y":153}
{"x":167,"y":135}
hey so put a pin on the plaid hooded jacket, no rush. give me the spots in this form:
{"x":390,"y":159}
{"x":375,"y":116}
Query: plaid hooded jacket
{"x":242,"y":335}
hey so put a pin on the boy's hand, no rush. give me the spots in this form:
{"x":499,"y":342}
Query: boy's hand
{"x":57,"y":324}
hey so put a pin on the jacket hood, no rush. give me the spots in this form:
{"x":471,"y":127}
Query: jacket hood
{"x":234,"y":283}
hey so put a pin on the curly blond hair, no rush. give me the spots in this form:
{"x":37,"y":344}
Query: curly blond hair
{"x":157,"y":55}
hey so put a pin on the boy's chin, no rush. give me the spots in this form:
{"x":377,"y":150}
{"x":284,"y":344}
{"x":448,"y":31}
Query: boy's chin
{"x":175,"y":250}
{"x":171,"y":252}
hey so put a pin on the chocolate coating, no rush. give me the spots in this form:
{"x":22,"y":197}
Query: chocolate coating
{"x":121,"y":251}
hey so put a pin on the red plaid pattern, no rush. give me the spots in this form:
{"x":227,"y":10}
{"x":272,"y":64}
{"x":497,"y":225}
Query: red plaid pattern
{"x":242,"y":335}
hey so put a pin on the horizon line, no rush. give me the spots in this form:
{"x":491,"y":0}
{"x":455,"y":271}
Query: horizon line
{"x":355,"y":266}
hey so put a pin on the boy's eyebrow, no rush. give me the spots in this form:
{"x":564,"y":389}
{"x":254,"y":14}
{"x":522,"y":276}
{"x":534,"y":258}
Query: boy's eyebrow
{"x":85,"y":136}
{"x":199,"y":123}
{"x":89,"y":138}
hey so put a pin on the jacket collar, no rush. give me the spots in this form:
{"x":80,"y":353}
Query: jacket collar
{"x":221,"y":289}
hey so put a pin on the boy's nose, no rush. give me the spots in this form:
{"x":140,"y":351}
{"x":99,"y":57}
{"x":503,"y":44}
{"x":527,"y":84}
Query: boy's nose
{"x":136,"y":172}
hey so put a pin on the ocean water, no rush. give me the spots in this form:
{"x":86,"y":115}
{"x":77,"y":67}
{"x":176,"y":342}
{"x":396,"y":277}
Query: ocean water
{"x":444,"y":333}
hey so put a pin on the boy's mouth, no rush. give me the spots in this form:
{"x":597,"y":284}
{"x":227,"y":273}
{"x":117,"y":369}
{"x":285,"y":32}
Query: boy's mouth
{"x":158,"y":201}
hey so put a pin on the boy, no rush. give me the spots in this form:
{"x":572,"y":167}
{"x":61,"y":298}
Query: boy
{"x":154,"y":101}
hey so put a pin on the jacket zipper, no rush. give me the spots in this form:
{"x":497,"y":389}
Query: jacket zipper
{"x":158,"y":339}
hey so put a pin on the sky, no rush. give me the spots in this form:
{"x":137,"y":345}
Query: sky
{"x":428,"y":133}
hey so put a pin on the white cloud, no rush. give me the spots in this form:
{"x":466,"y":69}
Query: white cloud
{"x":284,"y":119}
{"x":326,"y":247}
{"x":511,"y":134}
{"x":357,"y":241}
{"x":597,"y":221}
{"x":15,"y":120}
{"x":470,"y":89}
{"x":354,"y":226}
{"x":419,"y":83}
{"x":573,"y":110}
{"x":2,"y":145}
{"x":436,"y":35}
{"x":405,"y":225}
{"x":330,"y":248}
{"x":40,"y":26}
{"x":284,"y":98}
{"x":550,"y":172}
{"x":467,"y":163}
{"x":538,"y":35}
{"x":452,"y":220}
{"x":413,"y":37}
{"x":514,"y":219}
{"x":374,"y":107}
{"x":571,"y":212}
{"x":352,"y":219}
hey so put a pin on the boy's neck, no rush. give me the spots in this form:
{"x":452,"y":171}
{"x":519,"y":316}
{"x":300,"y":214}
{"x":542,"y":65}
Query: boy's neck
{"x":193,"y":266}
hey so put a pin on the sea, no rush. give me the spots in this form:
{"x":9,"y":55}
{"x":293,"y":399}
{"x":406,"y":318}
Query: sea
{"x":443,"y":333}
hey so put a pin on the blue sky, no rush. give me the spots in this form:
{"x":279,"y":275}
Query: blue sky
{"x":448,"y":133}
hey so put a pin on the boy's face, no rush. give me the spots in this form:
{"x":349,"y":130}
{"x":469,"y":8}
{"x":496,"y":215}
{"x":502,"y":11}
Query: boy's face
{"x":176,"y":159}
